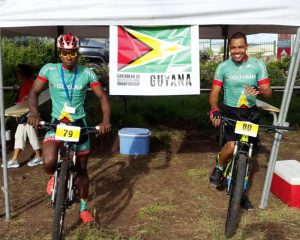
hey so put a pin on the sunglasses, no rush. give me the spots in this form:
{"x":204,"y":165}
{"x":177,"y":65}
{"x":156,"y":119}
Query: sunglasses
{"x":69,"y":54}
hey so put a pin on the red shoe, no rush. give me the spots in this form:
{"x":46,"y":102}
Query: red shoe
{"x":86,"y":217}
{"x":50,"y":185}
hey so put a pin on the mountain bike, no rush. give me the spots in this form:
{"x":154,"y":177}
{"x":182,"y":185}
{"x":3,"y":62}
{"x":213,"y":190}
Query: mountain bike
{"x":65,"y":175}
{"x":236,"y":172}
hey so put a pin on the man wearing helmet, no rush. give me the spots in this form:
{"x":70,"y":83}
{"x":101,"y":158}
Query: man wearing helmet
{"x":68,"y":83}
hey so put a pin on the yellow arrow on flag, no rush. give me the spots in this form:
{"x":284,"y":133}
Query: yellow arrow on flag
{"x":161,"y":49}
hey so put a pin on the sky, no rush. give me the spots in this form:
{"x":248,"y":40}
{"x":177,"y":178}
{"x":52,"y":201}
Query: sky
{"x":261,"y":37}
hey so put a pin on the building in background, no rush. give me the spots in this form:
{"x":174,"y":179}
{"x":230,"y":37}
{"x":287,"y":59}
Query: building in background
{"x":283,"y":46}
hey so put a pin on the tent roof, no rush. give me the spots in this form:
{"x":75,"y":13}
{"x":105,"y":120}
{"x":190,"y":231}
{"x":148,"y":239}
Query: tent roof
{"x":91,"y":18}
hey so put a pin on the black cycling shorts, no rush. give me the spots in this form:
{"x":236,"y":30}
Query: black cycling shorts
{"x":240,"y":114}
{"x":80,"y":123}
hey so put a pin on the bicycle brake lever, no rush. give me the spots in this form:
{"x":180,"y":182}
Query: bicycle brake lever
{"x":271,"y":130}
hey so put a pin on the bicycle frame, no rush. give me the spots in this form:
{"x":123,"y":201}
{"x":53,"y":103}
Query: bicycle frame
{"x":64,"y":190}
{"x":243,"y":147}
{"x":237,"y":168}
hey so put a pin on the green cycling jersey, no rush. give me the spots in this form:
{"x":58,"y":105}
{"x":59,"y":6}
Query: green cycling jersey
{"x":68,"y":89}
{"x":234,"y":76}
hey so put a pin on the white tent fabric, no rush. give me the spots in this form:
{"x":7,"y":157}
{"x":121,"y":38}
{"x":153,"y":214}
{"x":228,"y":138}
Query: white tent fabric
{"x":90,"y":18}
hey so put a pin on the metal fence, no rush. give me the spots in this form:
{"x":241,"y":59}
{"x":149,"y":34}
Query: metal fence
{"x":216,"y":47}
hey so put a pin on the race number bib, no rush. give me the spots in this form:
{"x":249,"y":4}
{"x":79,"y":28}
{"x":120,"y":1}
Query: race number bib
{"x":67,"y":133}
{"x":246,"y":128}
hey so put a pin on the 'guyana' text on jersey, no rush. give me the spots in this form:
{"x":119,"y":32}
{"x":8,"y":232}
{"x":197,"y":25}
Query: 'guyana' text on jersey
{"x":85,"y":77}
{"x":234,"y":76}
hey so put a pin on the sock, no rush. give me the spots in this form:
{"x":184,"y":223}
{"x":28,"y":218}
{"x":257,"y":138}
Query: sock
{"x":83,"y":205}
{"x":219,"y":167}
{"x":218,"y":162}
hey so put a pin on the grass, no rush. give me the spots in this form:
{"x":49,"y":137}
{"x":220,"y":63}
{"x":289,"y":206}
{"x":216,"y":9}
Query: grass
{"x":168,"y":114}
{"x":160,"y":111}
{"x":169,"y":118}
{"x":154,"y":210}
{"x":152,"y":215}
{"x":165,"y":134}
{"x":261,"y":225}
{"x":150,"y":229}
{"x":276,"y":212}
{"x":198,"y":175}
{"x":96,"y":233}
{"x":293,"y":115}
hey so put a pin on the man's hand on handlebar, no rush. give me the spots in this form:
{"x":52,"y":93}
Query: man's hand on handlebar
{"x":33,"y":119}
{"x":215,"y":116}
{"x":104,"y":127}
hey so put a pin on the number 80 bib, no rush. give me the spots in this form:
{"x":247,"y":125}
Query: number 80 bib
{"x":246,"y":128}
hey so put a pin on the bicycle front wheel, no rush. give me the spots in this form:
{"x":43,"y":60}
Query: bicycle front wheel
{"x":60,"y":203}
{"x":234,"y":208}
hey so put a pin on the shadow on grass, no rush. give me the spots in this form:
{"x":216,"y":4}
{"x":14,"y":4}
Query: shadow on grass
{"x":30,"y":203}
{"x":113,"y":178}
{"x":267,"y":230}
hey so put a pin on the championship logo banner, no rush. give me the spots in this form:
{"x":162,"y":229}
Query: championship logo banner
{"x":154,"y":60}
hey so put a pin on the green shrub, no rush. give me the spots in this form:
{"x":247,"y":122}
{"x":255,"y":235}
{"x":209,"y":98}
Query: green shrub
{"x":207,"y":71}
{"x":277,"y":71}
{"x":16,"y":50}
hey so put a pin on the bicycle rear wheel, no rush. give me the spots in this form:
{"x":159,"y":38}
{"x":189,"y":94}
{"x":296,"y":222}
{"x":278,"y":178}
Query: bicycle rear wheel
{"x":60,"y":202}
{"x":234,"y":208}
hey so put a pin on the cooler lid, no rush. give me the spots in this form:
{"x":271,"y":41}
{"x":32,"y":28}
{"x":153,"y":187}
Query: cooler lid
{"x":135,"y":131}
{"x":288,"y":170}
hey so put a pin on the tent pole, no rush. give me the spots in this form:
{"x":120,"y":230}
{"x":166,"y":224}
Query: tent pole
{"x":60,"y":30}
{"x":225,"y":35}
{"x":3,"y":138}
{"x":293,"y":68}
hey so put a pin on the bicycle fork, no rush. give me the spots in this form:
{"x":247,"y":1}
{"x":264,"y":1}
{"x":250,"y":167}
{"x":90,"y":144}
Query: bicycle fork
{"x":71,"y":187}
{"x":247,"y":168}
{"x":54,"y":190}
{"x":72,"y":181}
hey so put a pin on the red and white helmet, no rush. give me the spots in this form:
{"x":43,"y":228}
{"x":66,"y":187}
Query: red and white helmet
{"x":67,"y":41}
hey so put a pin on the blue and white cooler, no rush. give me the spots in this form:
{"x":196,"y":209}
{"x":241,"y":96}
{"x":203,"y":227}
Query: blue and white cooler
{"x":134,"y":141}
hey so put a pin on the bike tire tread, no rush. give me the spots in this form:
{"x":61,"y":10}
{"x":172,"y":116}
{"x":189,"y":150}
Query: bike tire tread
{"x":60,"y":208}
{"x":234,"y":208}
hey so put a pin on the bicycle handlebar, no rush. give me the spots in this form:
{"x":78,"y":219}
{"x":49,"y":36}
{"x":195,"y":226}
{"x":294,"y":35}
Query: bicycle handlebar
{"x":86,"y":130}
{"x":270,"y":128}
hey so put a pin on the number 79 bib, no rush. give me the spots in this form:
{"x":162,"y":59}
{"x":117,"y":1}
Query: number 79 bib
{"x":67,"y":133}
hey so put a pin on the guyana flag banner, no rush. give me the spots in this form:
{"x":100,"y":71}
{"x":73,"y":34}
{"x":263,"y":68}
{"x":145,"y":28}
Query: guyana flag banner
{"x":154,"y":60}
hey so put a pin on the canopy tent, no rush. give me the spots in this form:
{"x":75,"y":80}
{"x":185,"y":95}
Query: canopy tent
{"x":91,"y":18}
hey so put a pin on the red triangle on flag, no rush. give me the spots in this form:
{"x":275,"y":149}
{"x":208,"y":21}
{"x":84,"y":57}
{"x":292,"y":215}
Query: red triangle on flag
{"x":129,"y":48}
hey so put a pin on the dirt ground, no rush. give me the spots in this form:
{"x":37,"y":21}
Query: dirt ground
{"x":164,"y":195}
